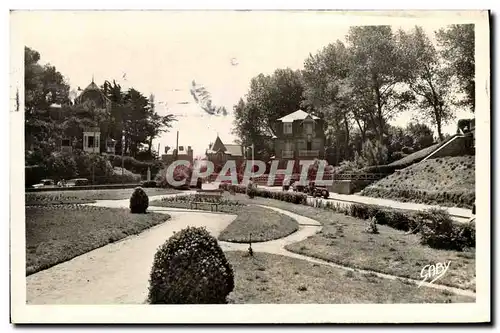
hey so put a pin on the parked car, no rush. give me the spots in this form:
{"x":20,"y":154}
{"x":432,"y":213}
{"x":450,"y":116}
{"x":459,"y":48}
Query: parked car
{"x":45,"y":183}
{"x":77,"y":182}
{"x":297,"y":186}
{"x":317,"y":191}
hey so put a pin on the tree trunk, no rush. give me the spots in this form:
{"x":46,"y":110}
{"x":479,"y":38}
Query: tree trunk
{"x":150,"y":144}
{"x":346,"y":148}
{"x":438,"y":124}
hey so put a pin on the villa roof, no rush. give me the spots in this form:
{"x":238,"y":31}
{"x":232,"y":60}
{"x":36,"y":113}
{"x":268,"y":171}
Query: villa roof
{"x":229,"y":149}
{"x":297,"y":115}
{"x":234,"y":150}
{"x":91,"y":87}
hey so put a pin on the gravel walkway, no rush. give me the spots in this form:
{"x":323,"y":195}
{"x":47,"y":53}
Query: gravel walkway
{"x":117,"y":273}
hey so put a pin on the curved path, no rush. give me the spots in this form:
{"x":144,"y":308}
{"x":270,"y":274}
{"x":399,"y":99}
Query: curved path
{"x":124,"y":266}
{"x":117,"y":273}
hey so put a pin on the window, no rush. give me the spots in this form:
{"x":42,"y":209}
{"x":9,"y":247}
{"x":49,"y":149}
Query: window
{"x":287,"y":128}
{"x":90,"y":141}
{"x":308,"y":128}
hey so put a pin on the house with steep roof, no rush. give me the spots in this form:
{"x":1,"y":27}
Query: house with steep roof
{"x":299,"y":136}
{"x":95,"y":94}
{"x":219,"y":153}
{"x":92,"y":136}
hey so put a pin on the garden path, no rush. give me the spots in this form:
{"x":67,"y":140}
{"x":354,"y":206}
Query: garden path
{"x":118,"y":273}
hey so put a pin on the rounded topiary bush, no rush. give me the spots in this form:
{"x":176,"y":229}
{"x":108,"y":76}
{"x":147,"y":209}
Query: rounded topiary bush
{"x":190,"y":268}
{"x":139,"y":201}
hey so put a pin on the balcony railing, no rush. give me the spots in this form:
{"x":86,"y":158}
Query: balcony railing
{"x":287,"y":154}
{"x":308,"y":153}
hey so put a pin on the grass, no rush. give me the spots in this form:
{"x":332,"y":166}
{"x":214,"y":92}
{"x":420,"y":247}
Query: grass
{"x":416,"y":156}
{"x":445,"y":181}
{"x":55,"y":234}
{"x":264,"y":225}
{"x":268,"y":278}
{"x":343,"y":240}
{"x":86,"y":196}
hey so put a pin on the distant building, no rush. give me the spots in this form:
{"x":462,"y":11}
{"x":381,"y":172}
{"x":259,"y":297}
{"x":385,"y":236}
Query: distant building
{"x":95,"y":94}
{"x":92,"y":136}
{"x":91,"y":140}
{"x":219,"y":153}
{"x":182,"y":154}
{"x":299,"y":136}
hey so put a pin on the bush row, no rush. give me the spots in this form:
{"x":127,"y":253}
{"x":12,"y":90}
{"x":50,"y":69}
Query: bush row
{"x":83,"y":188}
{"x":134,"y":165}
{"x":201,"y":198}
{"x":387,"y":169}
{"x":465,"y":199}
{"x":79,"y":164}
{"x":435,"y":226}
{"x":292,"y":197}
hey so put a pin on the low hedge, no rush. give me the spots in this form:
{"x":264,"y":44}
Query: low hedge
{"x":87,"y":187}
{"x":465,"y":199}
{"x":293,"y":197}
{"x":435,"y":226}
{"x":387,"y":169}
{"x":136,"y":166}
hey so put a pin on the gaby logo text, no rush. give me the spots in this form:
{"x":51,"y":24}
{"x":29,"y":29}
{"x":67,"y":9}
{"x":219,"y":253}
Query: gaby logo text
{"x":431,"y":273}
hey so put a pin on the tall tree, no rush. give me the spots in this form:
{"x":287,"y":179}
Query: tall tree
{"x":276,"y":95}
{"x":427,"y":77}
{"x":250,"y":128}
{"x":156,"y":124}
{"x":44,"y":86}
{"x":326,"y":90}
{"x":458,"y":47}
{"x":376,"y":76}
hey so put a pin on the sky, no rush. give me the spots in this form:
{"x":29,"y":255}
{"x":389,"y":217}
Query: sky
{"x":162,"y":52}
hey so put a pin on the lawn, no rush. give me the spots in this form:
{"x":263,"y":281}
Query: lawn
{"x":55,"y":234}
{"x":268,"y":278}
{"x":264,"y":224}
{"x":87,"y":196}
{"x":343,"y":241}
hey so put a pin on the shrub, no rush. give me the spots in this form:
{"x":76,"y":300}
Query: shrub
{"x":190,"y":268}
{"x":148,"y":183}
{"x":438,"y":231}
{"x":466,"y":235}
{"x":251,"y":191}
{"x":139,"y":201}
{"x":372,"y":226}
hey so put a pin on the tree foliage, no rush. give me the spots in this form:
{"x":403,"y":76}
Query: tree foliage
{"x":458,"y":46}
{"x":131,"y":113}
{"x":360,"y":85}
{"x":427,"y":77}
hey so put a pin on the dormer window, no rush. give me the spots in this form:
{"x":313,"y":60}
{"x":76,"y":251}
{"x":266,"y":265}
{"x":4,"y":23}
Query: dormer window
{"x":308,"y":128}
{"x":287,"y":128}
